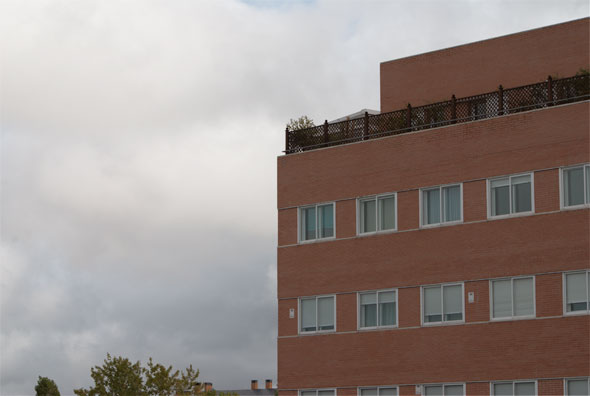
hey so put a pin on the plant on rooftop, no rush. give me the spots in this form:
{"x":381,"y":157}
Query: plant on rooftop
{"x":300,"y":135}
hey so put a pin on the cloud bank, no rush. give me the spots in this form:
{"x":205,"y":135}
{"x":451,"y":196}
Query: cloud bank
{"x":138,"y":154}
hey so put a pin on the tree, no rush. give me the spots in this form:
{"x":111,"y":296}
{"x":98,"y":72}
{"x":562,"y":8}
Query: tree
{"x":118,"y":376}
{"x":300,"y":123}
{"x":46,"y":387}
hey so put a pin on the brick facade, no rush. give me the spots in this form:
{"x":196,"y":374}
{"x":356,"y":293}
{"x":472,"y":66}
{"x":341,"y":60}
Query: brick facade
{"x":547,"y":348}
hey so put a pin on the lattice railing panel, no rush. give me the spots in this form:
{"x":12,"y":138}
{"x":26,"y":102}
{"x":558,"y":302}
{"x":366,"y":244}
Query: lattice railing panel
{"x":491,"y":104}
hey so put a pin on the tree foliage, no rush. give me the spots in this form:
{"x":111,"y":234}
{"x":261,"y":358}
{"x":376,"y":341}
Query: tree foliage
{"x":300,"y":123}
{"x":46,"y":387}
{"x":118,"y":376}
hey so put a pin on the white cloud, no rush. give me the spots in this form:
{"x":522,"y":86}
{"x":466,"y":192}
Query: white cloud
{"x":139,"y":144}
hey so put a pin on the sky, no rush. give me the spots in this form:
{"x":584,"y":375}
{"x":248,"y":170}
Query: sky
{"x":138,"y":165}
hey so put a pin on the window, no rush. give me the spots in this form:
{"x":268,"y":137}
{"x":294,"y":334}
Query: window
{"x":444,"y":390}
{"x":577,"y":288}
{"x":441,"y":205}
{"x":512,"y":298}
{"x":382,"y":391}
{"x":510,"y":195}
{"x":514,"y":388}
{"x":577,"y":386}
{"x":317,"y":314}
{"x":378,"y":309}
{"x":575,"y":188}
{"x":442,"y":303}
{"x":376,"y":214}
{"x":317,"y":392}
{"x":316,"y":222}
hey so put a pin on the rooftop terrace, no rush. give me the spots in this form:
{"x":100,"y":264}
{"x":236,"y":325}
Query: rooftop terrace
{"x":456,"y":110}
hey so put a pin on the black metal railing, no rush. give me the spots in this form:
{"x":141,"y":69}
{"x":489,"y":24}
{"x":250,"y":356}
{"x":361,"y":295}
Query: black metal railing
{"x":457,"y":110}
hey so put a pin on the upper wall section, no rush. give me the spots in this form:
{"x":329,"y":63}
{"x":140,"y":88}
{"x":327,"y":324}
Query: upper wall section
{"x":534,"y":140}
{"x":513,"y":60}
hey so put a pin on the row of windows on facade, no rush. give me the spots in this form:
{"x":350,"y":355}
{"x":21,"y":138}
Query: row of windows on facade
{"x":507,"y":196}
{"x":574,"y":387}
{"x":511,"y":298}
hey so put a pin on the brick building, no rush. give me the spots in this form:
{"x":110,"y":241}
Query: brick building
{"x":443,"y":247}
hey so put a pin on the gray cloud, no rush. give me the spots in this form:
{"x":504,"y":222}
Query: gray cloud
{"x":139,"y":144}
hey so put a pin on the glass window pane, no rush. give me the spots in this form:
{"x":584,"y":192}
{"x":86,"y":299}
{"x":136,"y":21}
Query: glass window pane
{"x":387,"y":213}
{"x":387,"y":392}
{"x":521,"y":194}
{"x":435,"y":390}
{"x":387,"y":308}
{"x":524,"y":388}
{"x":431,"y":206}
{"x":387,"y":314}
{"x":368,"y":310}
{"x":523,"y":297}
{"x":577,"y":387}
{"x":432,"y":304}
{"x":452,"y":203}
{"x":576,"y":292}
{"x":368,"y":215}
{"x":326,"y":218}
{"x":453,"y":302}
{"x":326,"y":393}
{"x":369,"y":392}
{"x":500,"y":197}
{"x":308,"y":393}
{"x":326,"y":313}
{"x":453,"y":390}
{"x":308,"y":226}
{"x":573,"y":186}
{"x":503,"y":389}
{"x":502,"y":299}
{"x":308,"y":315}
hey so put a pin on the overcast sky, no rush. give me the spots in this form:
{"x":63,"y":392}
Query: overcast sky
{"x":138,"y":165}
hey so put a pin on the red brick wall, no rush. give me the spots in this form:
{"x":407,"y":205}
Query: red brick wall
{"x":490,"y":249}
{"x":549,"y":295}
{"x":514,"y":60}
{"x":546,"y":195}
{"x":346,"y":316}
{"x":524,"y":349}
{"x":345,"y":219}
{"x":409,"y":307}
{"x":479,"y":310}
{"x":478,"y":389}
{"x":550,"y":387}
{"x":545,"y":243}
{"x":474,"y":201}
{"x":287,"y":226}
{"x":408,"y":210}
{"x":515,"y":143}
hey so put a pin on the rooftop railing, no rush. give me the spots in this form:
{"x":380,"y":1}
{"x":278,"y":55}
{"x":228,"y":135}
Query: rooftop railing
{"x":457,"y":110}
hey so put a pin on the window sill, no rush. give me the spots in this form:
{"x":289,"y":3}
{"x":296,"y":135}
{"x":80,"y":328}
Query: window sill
{"x":576,"y":207}
{"x":513,"y":318}
{"x":377,"y":328}
{"x":366,"y":234}
{"x":509,"y":216}
{"x":316,"y":240}
{"x":443,"y":224}
{"x":311,"y":333}
{"x":448,"y":323}
{"x":576,"y":313}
